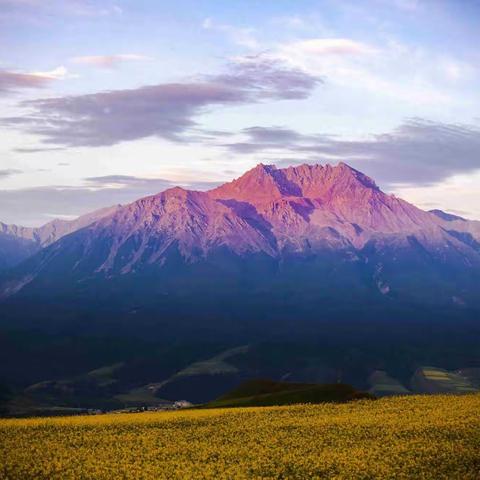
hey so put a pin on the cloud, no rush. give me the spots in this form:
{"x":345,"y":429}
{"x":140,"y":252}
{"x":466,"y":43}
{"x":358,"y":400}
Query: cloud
{"x":33,"y":11}
{"x":330,"y":46}
{"x":391,"y":69}
{"x":34,"y":206}
{"x":260,"y":139}
{"x":9,"y":172}
{"x":263,"y":78}
{"x":144,"y":186}
{"x":13,"y":81}
{"x":418,"y":152}
{"x":165,"y":110}
{"x":264,"y":135}
{"x":290,"y":21}
{"x":108,"y":181}
{"x":109,"y":61}
{"x":59,"y":73}
{"x":240,"y":36}
{"x":37,"y":149}
{"x":409,"y":5}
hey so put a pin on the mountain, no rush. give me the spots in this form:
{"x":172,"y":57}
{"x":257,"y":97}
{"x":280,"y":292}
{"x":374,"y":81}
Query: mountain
{"x":309,"y":205}
{"x":18,"y":243}
{"x":269,"y":229}
{"x":296,"y":253}
{"x":446,"y":216}
{"x":13,"y":248}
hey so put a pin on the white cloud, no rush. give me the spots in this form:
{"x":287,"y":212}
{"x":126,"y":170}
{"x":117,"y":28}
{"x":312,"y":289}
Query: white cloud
{"x":394,"y":70}
{"x":207,"y":23}
{"x":329,"y":46}
{"x":34,"y":11}
{"x":409,"y":5}
{"x":455,"y":70}
{"x":109,"y":61}
{"x":291,"y":21}
{"x":243,"y":37}
{"x":59,"y":73}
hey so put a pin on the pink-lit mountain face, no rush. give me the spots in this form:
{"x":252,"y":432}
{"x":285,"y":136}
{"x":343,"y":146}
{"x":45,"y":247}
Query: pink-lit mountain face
{"x":309,"y":211}
{"x":274,"y":210}
{"x":314,"y":205}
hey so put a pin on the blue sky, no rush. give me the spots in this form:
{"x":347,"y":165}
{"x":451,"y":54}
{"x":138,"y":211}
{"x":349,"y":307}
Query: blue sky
{"x":105,"y":101}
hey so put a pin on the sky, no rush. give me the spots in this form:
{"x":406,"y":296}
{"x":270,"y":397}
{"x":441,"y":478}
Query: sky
{"x":103,"y":102}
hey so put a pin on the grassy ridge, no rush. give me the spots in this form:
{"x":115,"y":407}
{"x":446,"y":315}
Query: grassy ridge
{"x":260,"y":393}
{"x":428,"y":437}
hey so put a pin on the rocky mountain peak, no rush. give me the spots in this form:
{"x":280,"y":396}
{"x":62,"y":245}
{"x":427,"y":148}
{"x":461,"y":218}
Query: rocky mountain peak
{"x":266,"y":183}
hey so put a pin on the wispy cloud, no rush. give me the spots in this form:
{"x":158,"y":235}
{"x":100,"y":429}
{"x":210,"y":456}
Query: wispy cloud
{"x":33,"y":11}
{"x":165,"y":110}
{"x":109,"y":61}
{"x":37,"y":149}
{"x":34,"y":206}
{"x":8,"y":172}
{"x":244,"y":37}
{"x":408,"y":5}
{"x":59,"y":73}
{"x":145,"y":185}
{"x":329,"y":46}
{"x":260,"y":78}
{"x":418,"y":152}
{"x":290,"y":21}
{"x":14,"y":81}
{"x":391,"y":69}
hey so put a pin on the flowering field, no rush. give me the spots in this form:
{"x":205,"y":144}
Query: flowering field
{"x":406,"y":437}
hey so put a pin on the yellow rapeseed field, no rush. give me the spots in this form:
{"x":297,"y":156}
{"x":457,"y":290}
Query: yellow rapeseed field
{"x":417,"y":437}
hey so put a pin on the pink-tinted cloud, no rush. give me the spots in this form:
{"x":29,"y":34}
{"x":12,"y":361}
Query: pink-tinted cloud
{"x":13,"y":81}
{"x":108,"y":61}
{"x":33,"y":10}
{"x":331,"y":46}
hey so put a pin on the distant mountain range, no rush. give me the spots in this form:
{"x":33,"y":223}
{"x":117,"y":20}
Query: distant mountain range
{"x":18,"y":243}
{"x":309,"y":228}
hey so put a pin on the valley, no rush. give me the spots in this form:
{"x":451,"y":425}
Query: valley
{"x":162,"y":377}
{"x":306,"y":274}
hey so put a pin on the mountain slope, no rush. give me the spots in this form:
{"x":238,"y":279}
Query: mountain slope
{"x":18,"y":243}
{"x":14,"y":249}
{"x":307,"y":198}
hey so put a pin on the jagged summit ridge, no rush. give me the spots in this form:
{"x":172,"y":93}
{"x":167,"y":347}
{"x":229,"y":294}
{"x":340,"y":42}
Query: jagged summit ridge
{"x":264,"y":183}
{"x":303,"y":203}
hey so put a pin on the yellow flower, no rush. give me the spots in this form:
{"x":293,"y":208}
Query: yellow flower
{"x":425,"y":437}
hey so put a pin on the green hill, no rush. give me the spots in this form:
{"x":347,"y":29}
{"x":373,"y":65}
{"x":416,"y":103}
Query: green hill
{"x":439,"y":380}
{"x":254,"y":393}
